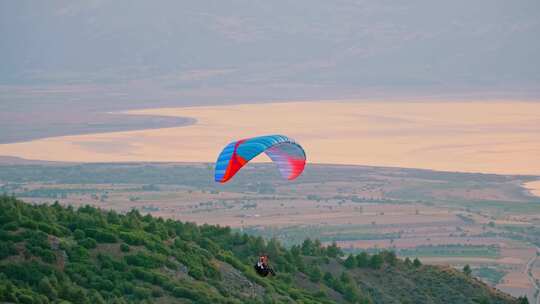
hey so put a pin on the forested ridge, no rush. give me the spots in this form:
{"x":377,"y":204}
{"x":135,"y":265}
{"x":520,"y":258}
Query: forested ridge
{"x":57,"y":254}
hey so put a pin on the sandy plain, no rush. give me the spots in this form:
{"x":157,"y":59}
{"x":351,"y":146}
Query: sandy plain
{"x":490,"y":137}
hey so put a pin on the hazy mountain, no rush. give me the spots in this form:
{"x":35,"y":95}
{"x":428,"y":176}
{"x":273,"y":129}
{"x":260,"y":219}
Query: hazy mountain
{"x":66,"y":58}
{"x":301,"y":46}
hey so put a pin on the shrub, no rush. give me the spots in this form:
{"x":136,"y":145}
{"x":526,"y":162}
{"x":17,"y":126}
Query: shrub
{"x":132,"y":238}
{"x":88,"y":243}
{"x":315,"y":273}
{"x":11,"y":226}
{"x":376,"y":261}
{"x":181,"y":292}
{"x":467,"y":270}
{"x":350,"y":262}
{"x":7,"y":249}
{"x":362,"y":260}
{"x":78,"y":254}
{"x":143,"y":260}
{"x":124,"y":247}
{"x":142,"y":293}
{"x":78,"y":234}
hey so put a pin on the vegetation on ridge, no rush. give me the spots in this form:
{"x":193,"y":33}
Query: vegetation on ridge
{"x":54,"y":254}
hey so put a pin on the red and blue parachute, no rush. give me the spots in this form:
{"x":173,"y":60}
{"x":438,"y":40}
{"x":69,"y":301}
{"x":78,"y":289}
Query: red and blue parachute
{"x":285,"y":152}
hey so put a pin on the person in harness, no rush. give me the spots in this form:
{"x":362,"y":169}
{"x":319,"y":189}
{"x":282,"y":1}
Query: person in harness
{"x":262,"y":268}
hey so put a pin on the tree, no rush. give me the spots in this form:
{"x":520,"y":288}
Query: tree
{"x":320,"y":294}
{"x":307,"y":247}
{"x":482,"y":300}
{"x":467,"y":270}
{"x":328,"y":278}
{"x":78,"y":234}
{"x":47,"y":289}
{"x":376,"y":261}
{"x":315,"y":274}
{"x":273,"y":248}
{"x":88,"y":243}
{"x":317,"y":247}
{"x":345,"y":278}
{"x":390,"y":257}
{"x":351,"y":294}
{"x":112,"y":217}
{"x":124,"y":247}
{"x":259,"y":245}
{"x":417,"y":263}
{"x":350,"y":262}
{"x":333,"y":250}
{"x":295,"y":251}
{"x":362,"y":260}
{"x":408,"y":262}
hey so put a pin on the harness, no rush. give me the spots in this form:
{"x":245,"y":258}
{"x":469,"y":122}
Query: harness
{"x":262,"y":269}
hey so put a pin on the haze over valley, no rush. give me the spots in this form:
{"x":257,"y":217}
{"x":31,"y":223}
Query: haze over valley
{"x":420,"y":122}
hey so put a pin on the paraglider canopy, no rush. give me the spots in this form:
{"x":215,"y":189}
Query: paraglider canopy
{"x":285,"y":152}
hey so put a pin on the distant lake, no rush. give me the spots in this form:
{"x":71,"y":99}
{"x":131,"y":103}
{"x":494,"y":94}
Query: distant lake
{"x":488,"y":137}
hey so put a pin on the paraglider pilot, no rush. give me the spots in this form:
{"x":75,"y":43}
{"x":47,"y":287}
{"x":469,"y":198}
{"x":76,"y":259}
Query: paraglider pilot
{"x":262,"y":268}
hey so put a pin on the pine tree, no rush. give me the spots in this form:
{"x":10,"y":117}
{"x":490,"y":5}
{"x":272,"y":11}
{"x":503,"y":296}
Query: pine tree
{"x":315,"y":274}
{"x":467,"y":270}
{"x":350,"y":262}
{"x":408,"y":262}
{"x":376,"y":261}
{"x":333,"y":250}
{"x":362,"y":260}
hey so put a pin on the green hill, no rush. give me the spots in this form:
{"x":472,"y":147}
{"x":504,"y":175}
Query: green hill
{"x":55,"y":254}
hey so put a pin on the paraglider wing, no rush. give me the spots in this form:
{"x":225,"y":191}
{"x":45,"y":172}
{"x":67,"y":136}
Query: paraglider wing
{"x":289,"y":156}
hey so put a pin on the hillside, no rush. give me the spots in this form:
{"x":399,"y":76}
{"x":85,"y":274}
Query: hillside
{"x":51,"y":253}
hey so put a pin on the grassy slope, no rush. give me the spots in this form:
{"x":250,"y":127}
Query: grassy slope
{"x":55,"y":254}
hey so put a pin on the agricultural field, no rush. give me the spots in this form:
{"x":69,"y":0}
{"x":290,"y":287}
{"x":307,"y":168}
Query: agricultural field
{"x":490,"y":222}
